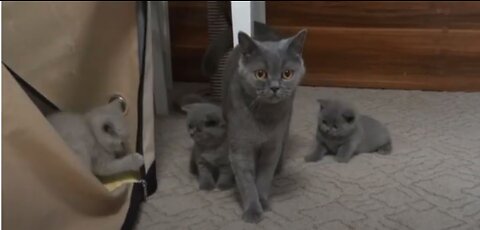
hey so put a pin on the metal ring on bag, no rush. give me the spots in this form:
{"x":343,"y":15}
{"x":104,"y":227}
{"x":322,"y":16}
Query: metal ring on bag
{"x":121,"y":99}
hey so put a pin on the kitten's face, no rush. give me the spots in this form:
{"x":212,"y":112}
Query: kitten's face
{"x":205,"y":123}
{"x":271,"y":70}
{"x":110,"y":128}
{"x":336,"y":119}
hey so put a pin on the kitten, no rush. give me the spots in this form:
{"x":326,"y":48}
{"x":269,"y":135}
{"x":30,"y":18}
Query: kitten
{"x":343,"y":132}
{"x":99,"y":138}
{"x":209,"y":156}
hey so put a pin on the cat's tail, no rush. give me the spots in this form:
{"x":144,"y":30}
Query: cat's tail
{"x":223,"y":43}
{"x":215,"y":52}
{"x":190,"y":98}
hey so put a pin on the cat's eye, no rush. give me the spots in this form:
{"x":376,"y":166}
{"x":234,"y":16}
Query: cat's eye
{"x":261,"y":74}
{"x":107,"y":128}
{"x":211,"y":123}
{"x":190,"y":126}
{"x":287,"y":74}
{"x":324,"y":122}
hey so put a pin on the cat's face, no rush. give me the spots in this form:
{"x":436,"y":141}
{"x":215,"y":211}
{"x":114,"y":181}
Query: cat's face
{"x":205,"y":123}
{"x":336,"y":119}
{"x":271,"y":70}
{"x":110,"y":128}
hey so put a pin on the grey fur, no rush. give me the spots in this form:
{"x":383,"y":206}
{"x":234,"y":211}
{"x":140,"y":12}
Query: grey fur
{"x":99,"y":138}
{"x":259,"y":116}
{"x":343,"y":132}
{"x":207,"y":128}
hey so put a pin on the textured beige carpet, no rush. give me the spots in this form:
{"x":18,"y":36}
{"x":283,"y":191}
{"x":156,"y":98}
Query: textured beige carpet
{"x":430,"y":181}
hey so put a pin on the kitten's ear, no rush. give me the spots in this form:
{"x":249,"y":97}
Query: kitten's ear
{"x":246,"y":43}
{"x":349,"y":116}
{"x":297,"y":42}
{"x":322,"y":103}
{"x":187,"y":108}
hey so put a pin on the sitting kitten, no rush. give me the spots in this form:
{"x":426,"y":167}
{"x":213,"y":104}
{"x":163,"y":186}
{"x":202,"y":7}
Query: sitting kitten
{"x":98,"y":138}
{"x":210,"y":152}
{"x":343,"y":132}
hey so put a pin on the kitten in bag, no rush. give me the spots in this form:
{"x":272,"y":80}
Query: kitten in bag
{"x":99,"y":138}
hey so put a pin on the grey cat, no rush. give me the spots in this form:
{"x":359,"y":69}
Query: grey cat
{"x":209,"y":156}
{"x":260,"y":82}
{"x":99,"y":138}
{"x":343,"y":132}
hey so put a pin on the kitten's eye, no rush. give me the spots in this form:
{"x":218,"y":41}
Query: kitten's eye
{"x":261,"y":74}
{"x":287,"y":74}
{"x":107,"y":128}
{"x":190,"y":126}
{"x":324,"y":122}
{"x":211,"y":123}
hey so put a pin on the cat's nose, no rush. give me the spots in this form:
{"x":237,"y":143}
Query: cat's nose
{"x":274,"y":88}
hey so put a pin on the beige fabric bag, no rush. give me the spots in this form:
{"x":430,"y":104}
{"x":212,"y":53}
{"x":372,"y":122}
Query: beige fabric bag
{"x":78,"y":55}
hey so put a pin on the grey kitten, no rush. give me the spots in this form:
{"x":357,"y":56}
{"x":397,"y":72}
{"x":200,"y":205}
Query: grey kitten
{"x":260,"y":82}
{"x":99,"y":138}
{"x":209,"y":156}
{"x":343,"y":132}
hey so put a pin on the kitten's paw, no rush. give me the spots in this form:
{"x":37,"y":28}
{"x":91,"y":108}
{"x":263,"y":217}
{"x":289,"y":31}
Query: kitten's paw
{"x":265,"y":204}
{"x":312,"y":157}
{"x":206,"y":185}
{"x":386,"y":149}
{"x":224,"y":185}
{"x":342,"y":159}
{"x":137,"y":161}
{"x":252,"y":215}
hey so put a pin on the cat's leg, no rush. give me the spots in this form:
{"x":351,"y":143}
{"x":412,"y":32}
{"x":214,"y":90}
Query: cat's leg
{"x":346,"y":151}
{"x":266,"y":165}
{"x":279,"y":168}
{"x":243,"y":164}
{"x":205,"y":177}
{"x":193,"y":165}
{"x":317,"y":154}
{"x":130,"y":162}
{"x":225,"y":178}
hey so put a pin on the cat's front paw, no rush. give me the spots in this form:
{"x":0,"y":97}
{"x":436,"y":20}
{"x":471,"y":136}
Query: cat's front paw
{"x":137,"y":161}
{"x":206,"y":185}
{"x":226,"y":184}
{"x":265,"y":204}
{"x":313,"y":157}
{"x":343,"y":159}
{"x":252,"y":215}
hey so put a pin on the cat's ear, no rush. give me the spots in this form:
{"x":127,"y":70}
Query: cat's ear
{"x":349,"y":116}
{"x":187,"y":108}
{"x":297,"y":42}
{"x":322,"y":103}
{"x":246,"y":43}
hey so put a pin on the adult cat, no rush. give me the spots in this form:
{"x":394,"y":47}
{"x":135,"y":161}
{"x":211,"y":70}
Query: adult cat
{"x":259,"y":87}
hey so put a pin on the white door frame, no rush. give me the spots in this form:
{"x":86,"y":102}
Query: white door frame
{"x":243,"y":15}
